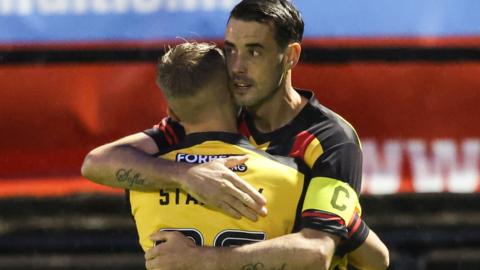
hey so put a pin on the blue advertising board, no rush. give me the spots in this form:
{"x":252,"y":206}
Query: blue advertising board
{"x":39,"y":21}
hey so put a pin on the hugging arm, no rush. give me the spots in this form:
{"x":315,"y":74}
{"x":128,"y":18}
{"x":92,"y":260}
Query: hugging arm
{"x":307,"y":249}
{"x":129,"y":163}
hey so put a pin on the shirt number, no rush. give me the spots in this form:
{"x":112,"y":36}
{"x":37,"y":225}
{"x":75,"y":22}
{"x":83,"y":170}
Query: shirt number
{"x":225,"y":238}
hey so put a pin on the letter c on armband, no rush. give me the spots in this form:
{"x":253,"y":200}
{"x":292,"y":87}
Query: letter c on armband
{"x":335,"y":198}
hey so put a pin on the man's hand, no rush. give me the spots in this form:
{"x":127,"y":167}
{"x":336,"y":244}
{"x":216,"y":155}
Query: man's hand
{"x":214,"y":184}
{"x":172,"y":253}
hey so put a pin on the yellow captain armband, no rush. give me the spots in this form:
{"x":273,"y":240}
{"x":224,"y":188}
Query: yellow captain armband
{"x":331,"y":195}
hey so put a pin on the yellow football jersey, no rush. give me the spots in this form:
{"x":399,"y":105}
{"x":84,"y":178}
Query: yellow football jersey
{"x":280,"y":181}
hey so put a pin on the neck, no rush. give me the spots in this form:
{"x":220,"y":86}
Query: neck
{"x":278,"y":110}
{"x":221,"y":120}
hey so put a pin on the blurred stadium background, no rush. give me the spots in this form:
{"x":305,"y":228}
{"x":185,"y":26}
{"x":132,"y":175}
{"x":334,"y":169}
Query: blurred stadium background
{"x":75,"y":74}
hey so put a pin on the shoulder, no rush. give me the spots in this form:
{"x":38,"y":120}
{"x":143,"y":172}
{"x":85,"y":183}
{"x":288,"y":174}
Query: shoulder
{"x":323,"y":131}
{"x":331,"y":128}
{"x":324,"y":123}
{"x":166,"y":133}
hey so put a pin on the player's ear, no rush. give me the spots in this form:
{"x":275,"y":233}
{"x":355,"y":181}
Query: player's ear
{"x":293,"y":52}
{"x":172,"y":114}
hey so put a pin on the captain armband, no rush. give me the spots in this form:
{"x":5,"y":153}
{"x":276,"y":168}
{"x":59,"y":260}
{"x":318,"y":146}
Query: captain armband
{"x":332,"y":196}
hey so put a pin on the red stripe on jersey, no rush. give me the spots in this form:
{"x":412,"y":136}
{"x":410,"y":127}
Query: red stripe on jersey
{"x":328,"y":217}
{"x":243,"y":128}
{"x":161,"y":127}
{"x":170,"y":131}
{"x":302,"y":140}
{"x":356,"y":221}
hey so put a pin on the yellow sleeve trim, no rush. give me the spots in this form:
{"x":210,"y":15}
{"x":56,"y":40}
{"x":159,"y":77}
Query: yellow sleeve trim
{"x":333,"y":196}
{"x":313,"y":152}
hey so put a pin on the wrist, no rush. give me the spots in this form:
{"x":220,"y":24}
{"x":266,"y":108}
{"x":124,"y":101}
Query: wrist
{"x":181,"y":176}
{"x":212,"y":258}
{"x":169,"y":174}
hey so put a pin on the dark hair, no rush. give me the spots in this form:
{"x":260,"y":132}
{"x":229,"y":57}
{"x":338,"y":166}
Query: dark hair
{"x":187,"y":67}
{"x":283,"y":15}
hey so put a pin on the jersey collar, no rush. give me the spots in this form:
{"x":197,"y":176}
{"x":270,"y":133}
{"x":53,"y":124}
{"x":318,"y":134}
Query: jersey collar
{"x":297,"y":122}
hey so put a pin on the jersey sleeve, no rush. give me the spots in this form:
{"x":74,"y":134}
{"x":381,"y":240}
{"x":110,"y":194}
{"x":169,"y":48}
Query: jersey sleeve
{"x":332,"y":151}
{"x":331,"y":203}
{"x":342,"y":162}
{"x":357,"y":234}
{"x":166,"y":133}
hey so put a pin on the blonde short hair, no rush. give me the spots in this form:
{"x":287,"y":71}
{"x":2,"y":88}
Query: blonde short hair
{"x":187,"y":67}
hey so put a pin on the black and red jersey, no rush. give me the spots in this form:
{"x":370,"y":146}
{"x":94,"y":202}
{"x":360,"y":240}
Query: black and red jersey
{"x":325,"y":141}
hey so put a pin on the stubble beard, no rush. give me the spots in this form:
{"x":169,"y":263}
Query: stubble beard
{"x":255,"y":103}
